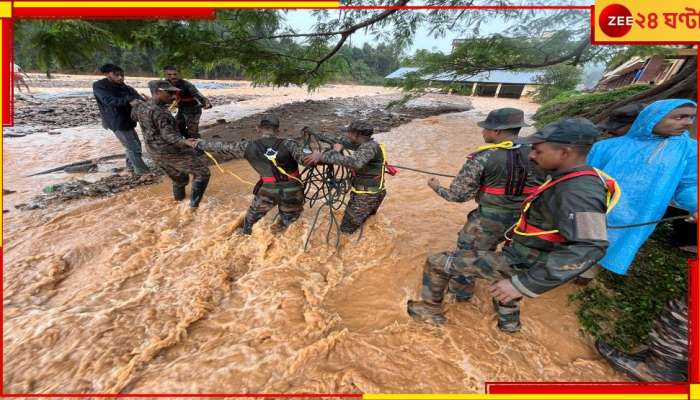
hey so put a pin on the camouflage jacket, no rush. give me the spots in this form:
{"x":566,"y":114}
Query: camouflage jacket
{"x":361,"y":156}
{"x":237,"y":149}
{"x":189,"y":95}
{"x":158,"y":127}
{"x":577,"y":209}
{"x":490,"y":168}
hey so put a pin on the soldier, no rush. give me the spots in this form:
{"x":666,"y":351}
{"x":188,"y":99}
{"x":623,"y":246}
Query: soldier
{"x":561,"y":231}
{"x":189,"y":104}
{"x":367,"y":161}
{"x":498,"y":176}
{"x":168,"y":149}
{"x":277,"y":161}
{"x":666,"y":359}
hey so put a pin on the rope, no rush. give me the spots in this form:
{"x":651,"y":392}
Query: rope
{"x":422,"y":171}
{"x":649,"y":223}
{"x":327,"y":185}
{"x":222,"y":169}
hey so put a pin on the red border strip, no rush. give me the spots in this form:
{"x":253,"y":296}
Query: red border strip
{"x":115,"y":13}
{"x":587,"y":388}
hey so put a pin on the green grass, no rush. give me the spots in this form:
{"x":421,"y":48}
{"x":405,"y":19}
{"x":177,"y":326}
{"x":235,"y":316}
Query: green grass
{"x":622,"y":309}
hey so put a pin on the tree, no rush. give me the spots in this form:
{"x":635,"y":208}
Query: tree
{"x":556,"y":80}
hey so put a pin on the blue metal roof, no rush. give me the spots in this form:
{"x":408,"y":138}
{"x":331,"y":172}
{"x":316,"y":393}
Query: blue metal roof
{"x":514,"y":77}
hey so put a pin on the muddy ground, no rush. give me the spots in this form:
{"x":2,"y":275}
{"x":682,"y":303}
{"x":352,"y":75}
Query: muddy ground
{"x":322,"y":116}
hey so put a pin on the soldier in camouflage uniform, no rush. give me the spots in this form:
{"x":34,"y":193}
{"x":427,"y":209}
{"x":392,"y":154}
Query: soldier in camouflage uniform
{"x":189,"y":104}
{"x":167,"y":147}
{"x":560,"y":233}
{"x":666,"y":359}
{"x":277,"y":161}
{"x":498,"y":176}
{"x":367,"y":162}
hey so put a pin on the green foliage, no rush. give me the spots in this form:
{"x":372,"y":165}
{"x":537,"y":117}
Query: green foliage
{"x":570,"y":106}
{"x":556,"y":80}
{"x":622,"y":309}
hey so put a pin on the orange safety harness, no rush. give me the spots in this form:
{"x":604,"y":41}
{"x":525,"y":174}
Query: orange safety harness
{"x":522,"y":228}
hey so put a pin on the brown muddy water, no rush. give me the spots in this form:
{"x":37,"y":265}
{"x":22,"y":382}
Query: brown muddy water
{"x":136,"y":293}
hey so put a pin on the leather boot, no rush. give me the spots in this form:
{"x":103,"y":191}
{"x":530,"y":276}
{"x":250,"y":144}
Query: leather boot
{"x":424,"y":311}
{"x":198,"y":188}
{"x":178,"y":192}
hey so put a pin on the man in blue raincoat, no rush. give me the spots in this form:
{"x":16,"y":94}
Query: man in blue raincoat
{"x":655,"y":165}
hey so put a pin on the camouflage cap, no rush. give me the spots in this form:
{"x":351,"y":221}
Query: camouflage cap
{"x":504,"y":118}
{"x":570,"y":131}
{"x":621,"y":117}
{"x":162,"y":85}
{"x":360,"y":126}
{"x":270,"y":119}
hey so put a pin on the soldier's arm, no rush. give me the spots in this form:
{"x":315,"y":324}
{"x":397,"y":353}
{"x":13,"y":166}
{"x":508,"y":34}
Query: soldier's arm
{"x":235,"y":149}
{"x":358,"y":159}
{"x":166,"y":126}
{"x":296,"y":150}
{"x":196,"y":93}
{"x":466,"y":184}
{"x":580,"y":217}
{"x":331,"y":138}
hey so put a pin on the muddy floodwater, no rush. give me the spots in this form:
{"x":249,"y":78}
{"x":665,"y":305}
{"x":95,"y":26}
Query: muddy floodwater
{"x":136,"y":293}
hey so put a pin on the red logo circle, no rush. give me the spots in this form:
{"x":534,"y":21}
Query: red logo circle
{"x":615,"y":20}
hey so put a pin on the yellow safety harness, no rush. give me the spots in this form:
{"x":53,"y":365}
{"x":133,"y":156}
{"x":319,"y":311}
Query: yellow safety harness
{"x":503,"y":145}
{"x":381,"y":175}
{"x":271,"y":154}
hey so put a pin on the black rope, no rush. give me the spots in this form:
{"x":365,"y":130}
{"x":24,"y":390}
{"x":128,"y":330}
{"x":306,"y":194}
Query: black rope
{"x":423,"y":171}
{"x":649,"y":223}
{"x":327,"y":185}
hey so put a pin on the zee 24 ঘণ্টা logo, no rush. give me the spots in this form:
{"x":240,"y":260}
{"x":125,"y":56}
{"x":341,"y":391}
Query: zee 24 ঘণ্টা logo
{"x":616,"y":20}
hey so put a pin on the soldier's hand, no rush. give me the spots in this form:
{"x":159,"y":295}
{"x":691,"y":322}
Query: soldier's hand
{"x":338,"y":147}
{"x":313,"y":158}
{"x":692,"y":218}
{"x":192,"y":142}
{"x":504,"y":291}
{"x":434,"y":183}
{"x":144,"y":96}
{"x":207,"y":105}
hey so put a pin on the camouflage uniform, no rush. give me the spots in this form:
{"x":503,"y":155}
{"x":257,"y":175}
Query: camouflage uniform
{"x":287,"y":194}
{"x":189,"y":108}
{"x":486,"y":226}
{"x":667,"y":356}
{"x":505,"y":169}
{"x":365,"y":156}
{"x":575,"y":208}
{"x":169,"y":151}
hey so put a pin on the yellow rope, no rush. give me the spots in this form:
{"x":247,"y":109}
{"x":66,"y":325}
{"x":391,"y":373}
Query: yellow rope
{"x":503,"y":145}
{"x":227,"y":171}
{"x":280,"y":169}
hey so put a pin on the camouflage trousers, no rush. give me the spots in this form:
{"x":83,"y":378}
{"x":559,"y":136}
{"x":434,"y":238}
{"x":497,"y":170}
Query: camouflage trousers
{"x":187,"y":120}
{"x":484,"y":230}
{"x":442,"y":268}
{"x":668,"y":342}
{"x":288,"y":197}
{"x":180,"y":166}
{"x":360,"y":207}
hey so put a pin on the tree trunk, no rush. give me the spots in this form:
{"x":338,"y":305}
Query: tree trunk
{"x":683,"y":85}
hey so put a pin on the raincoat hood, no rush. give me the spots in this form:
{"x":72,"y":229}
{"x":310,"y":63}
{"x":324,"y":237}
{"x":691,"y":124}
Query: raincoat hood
{"x":653,"y":172}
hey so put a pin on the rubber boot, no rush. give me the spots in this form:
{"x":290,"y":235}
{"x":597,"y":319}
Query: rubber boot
{"x":508,"y":316}
{"x":645,"y":368}
{"x":424,"y":311}
{"x":178,"y":192}
{"x":461,"y":287}
{"x":198,"y":188}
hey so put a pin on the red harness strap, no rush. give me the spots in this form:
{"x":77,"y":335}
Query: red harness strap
{"x":556,"y":237}
{"x":272,"y":179}
{"x":499,"y":191}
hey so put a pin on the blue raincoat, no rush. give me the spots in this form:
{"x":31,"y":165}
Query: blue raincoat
{"x":652,"y":171}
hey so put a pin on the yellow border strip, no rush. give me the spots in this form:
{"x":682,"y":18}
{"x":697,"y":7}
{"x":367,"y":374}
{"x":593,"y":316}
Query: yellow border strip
{"x":557,"y":396}
{"x":177,"y":4}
